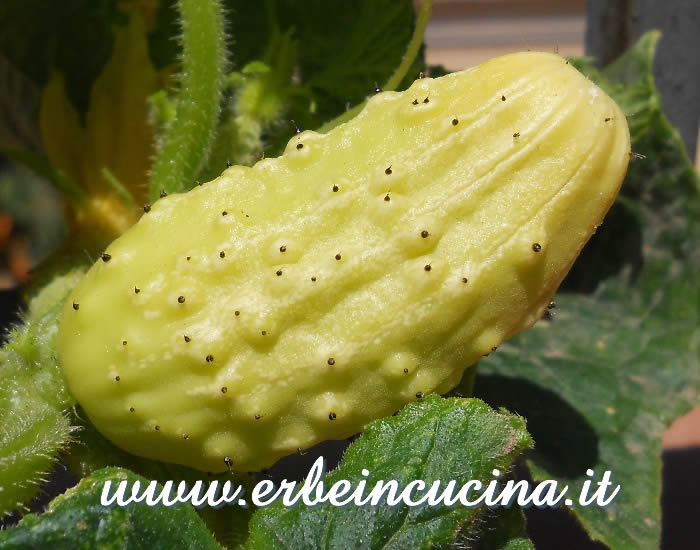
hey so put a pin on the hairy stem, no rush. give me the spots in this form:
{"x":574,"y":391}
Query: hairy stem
{"x":189,"y":137}
{"x":34,"y":399}
{"x":395,"y":79}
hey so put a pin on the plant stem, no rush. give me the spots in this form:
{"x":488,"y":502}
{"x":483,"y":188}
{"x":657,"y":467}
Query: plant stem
{"x":465,"y":388}
{"x":189,"y":138}
{"x":395,"y":79}
{"x":413,"y":46}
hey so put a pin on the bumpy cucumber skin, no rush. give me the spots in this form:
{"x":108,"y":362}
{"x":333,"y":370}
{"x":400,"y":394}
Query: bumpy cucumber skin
{"x":293,"y":302}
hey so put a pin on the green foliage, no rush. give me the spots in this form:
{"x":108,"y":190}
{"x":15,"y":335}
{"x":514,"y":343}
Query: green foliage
{"x":337,"y":64}
{"x":319,"y":63}
{"x":78,"y":520}
{"x":342,"y":67}
{"x":33,"y":398}
{"x":437,"y":439}
{"x":92,"y":452}
{"x":404,"y":74}
{"x":502,"y":529}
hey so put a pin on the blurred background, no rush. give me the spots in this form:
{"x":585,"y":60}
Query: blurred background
{"x":463,"y":33}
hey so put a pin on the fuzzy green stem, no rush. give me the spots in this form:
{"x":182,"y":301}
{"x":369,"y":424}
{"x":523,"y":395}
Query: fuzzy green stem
{"x":395,"y":79}
{"x":189,"y":138}
{"x":34,"y":399}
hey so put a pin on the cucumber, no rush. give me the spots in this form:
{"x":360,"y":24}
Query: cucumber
{"x":295,"y":301}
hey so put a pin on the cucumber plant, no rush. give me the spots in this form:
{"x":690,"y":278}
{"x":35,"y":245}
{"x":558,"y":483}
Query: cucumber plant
{"x":242,"y":317}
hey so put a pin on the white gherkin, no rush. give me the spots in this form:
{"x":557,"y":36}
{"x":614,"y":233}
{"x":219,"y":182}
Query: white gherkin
{"x":292,"y":302}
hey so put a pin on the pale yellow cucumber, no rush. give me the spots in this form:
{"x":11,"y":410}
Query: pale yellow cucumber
{"x":293,"y":302}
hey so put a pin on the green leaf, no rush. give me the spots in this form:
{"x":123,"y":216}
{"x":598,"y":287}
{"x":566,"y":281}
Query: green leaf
{"x":91,"y":452}
{"x":602,"y":381}
{"x":78,"y":520}
{"x":406,"y":72}
{"x":436,"y":439}
{"x":345,"y":53}
{"x":311,"y":70}
{"x":599,"y":386}
{"x":33,"y":398}
{"x":319,"y":61}
{"x":503,"y":529}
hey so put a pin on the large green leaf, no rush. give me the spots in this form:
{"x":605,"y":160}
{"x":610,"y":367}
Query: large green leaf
{"x":502,"y":529}
{"x":345,"y":53}
{"x":77,"y":520}
{"x":602,"y":381}
{"x":437,"y":439}
{"x":92,"y":452}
